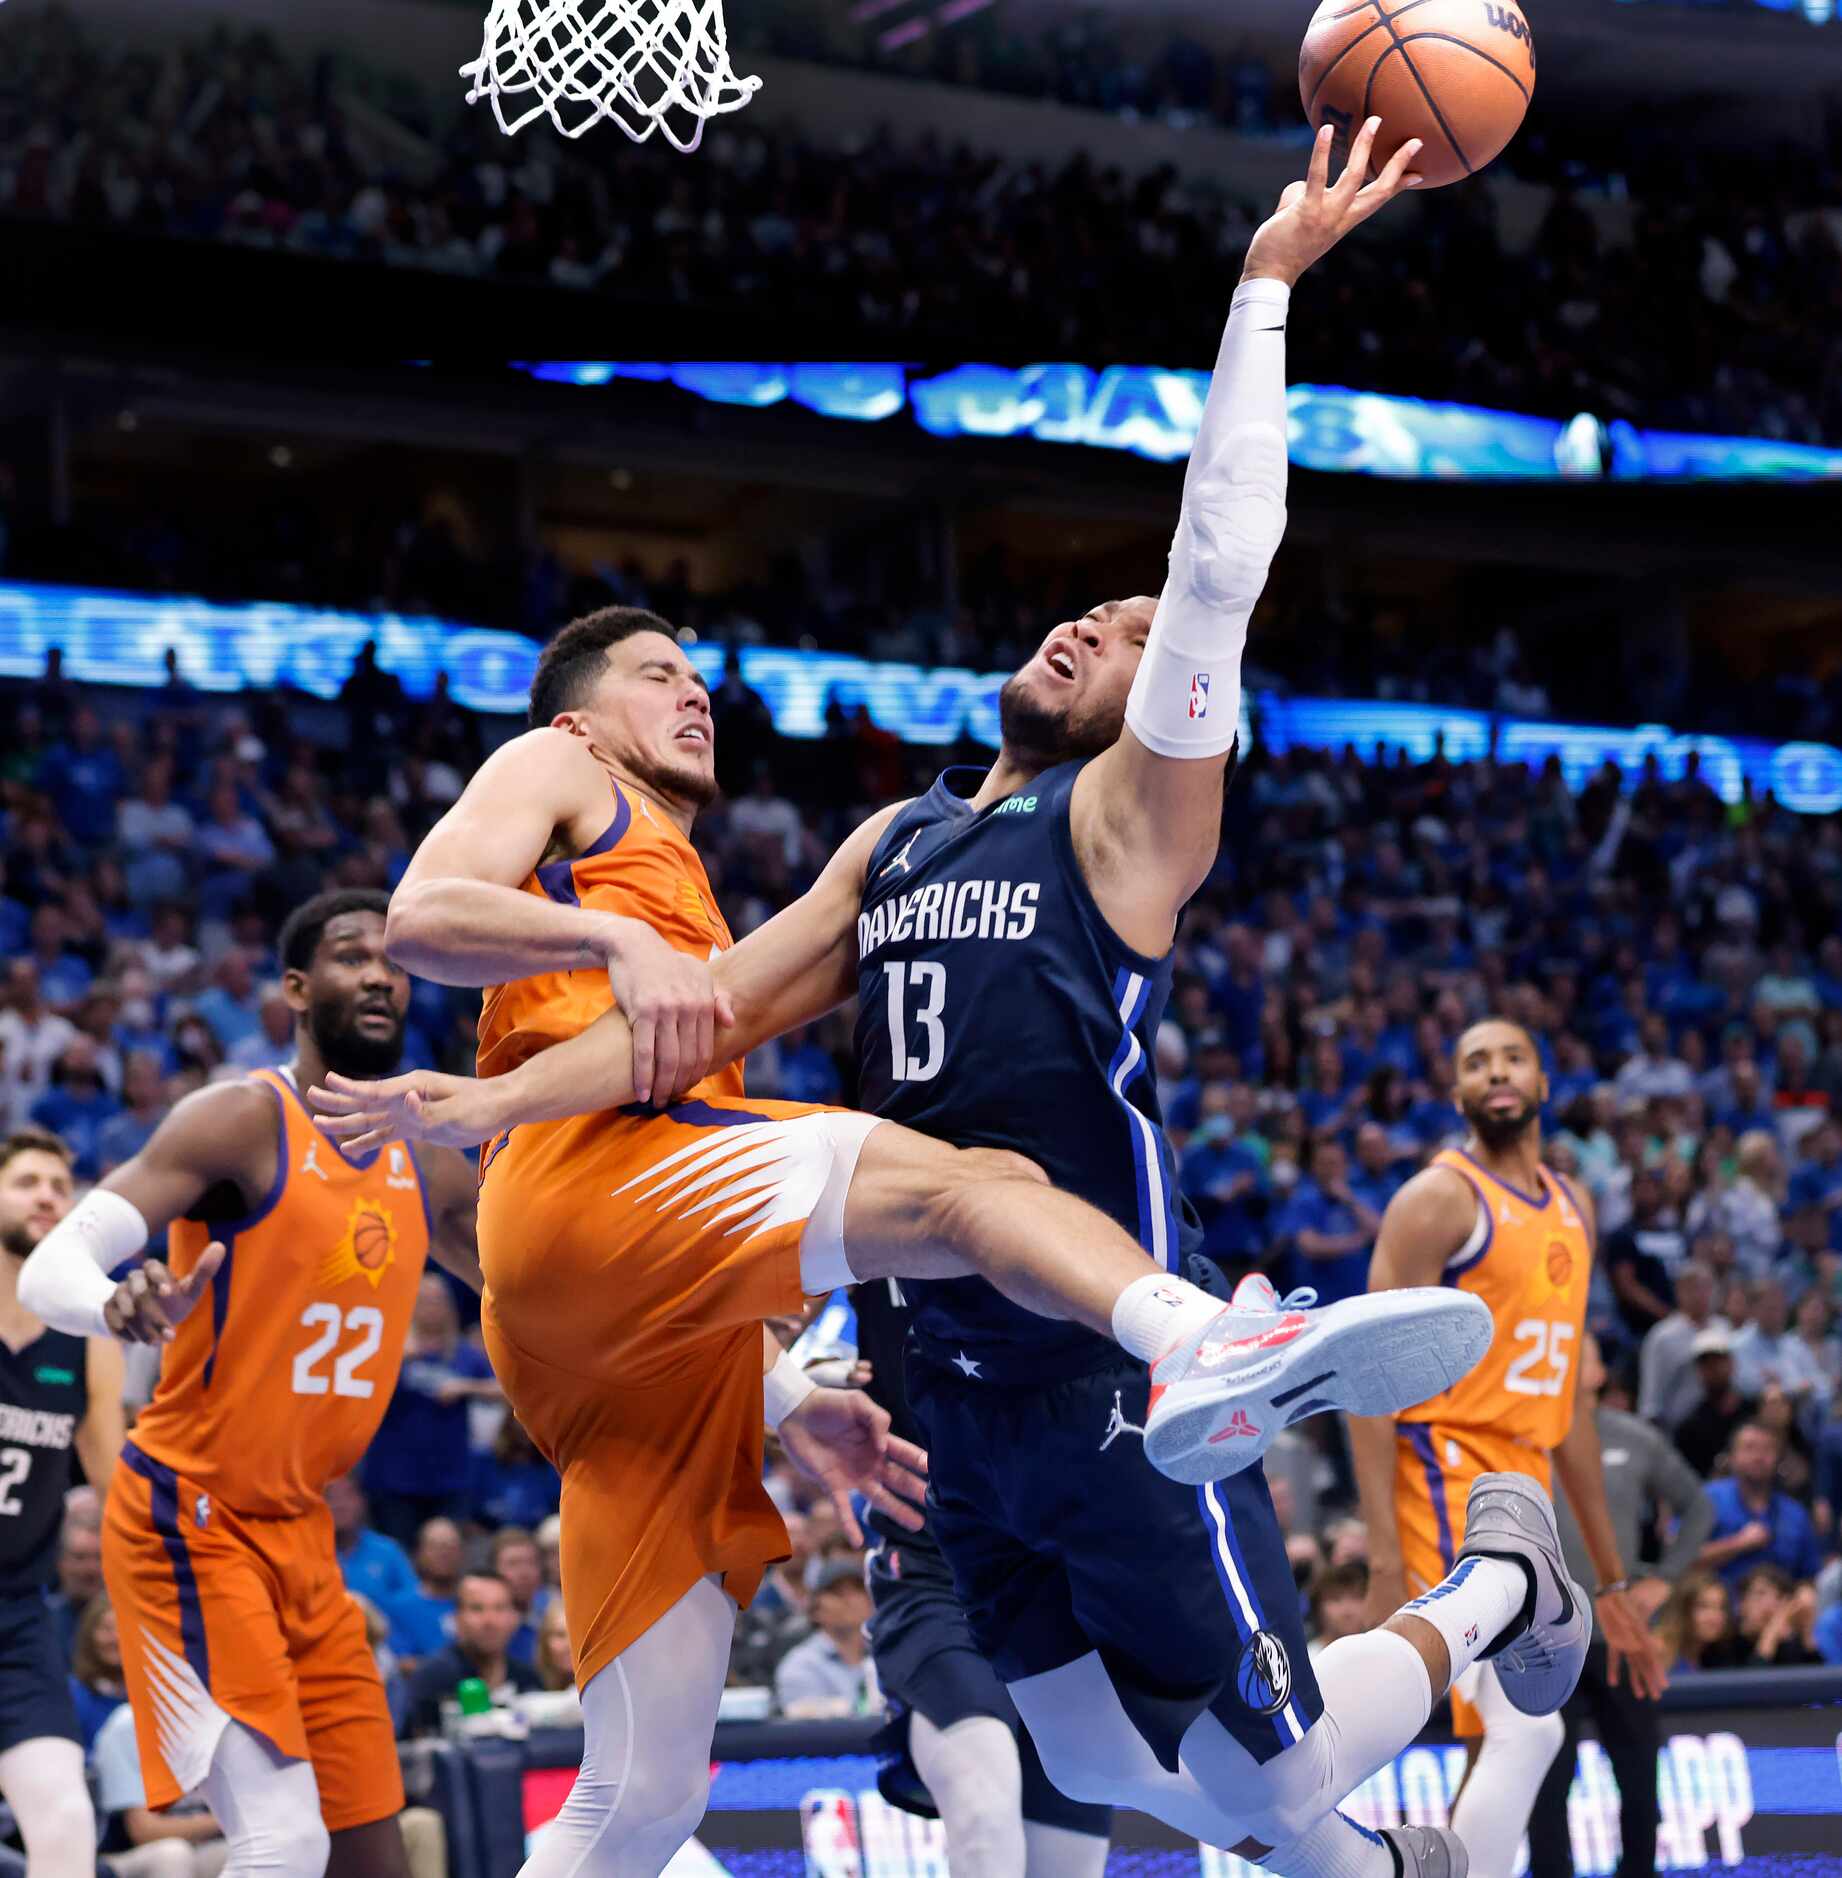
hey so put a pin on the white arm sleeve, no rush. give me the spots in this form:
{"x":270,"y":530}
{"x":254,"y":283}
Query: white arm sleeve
{"x":65,"y":1283}
{"x":1186,"y":699}
{"x":783,"y":1389}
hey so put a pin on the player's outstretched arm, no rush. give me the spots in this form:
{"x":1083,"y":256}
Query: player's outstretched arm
{"x":222,"y":1134}
{"x":461,"y":915}
{"x":1424,"y":1224}
{"x":454,"y":1204}
{"x":793,"y":969}
{"x":1147,"y":814}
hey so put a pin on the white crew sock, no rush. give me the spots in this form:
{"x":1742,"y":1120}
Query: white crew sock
{"x":1156,"y":1311}
{"x":1336,"y":1847}
{"x":1472,"y":1606}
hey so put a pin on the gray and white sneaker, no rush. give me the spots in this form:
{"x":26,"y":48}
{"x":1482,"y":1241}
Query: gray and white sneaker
{"x":1221,"y":1395}
{"x":1428,"y":1851}
{"x":1538,"y":1659}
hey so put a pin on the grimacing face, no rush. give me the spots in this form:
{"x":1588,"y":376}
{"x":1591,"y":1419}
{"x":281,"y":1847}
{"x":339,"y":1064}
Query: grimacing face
{"x":1069,"y":701}
{"x":650,"y":713}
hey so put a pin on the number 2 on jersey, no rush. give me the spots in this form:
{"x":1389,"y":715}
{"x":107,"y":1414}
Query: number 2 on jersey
{"x":1537,"y":1340}
{"x":928,"y":979}
{"x":366,"y":1322}
{"x":15,"y":1465}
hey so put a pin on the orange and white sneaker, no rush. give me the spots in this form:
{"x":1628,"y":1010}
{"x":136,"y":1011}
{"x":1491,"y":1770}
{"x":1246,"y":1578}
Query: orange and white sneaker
{"x":1221,"y":1395}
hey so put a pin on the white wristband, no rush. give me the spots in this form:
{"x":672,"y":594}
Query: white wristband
{"x":783,"y":1389}
{"x":65,"y":1283}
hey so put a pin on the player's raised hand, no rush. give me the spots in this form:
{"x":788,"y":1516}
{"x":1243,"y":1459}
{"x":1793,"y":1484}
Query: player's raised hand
{"x":424,"y":1105}
{"x":1630,"y":1643}
{"x":841,"y":1439}
{"x":1313,"y":216}
{"x":150,"y":1303}
{"x":673,"y":1007}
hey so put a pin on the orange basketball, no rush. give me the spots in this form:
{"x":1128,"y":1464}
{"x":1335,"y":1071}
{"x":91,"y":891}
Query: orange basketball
{"x":370,"y":1242}
{"x":1457,"y":74}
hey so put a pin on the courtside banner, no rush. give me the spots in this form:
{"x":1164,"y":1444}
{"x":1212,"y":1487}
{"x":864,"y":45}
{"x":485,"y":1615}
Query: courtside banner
{"x":1743,"y":1792}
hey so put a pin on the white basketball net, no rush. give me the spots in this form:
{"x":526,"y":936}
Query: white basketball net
{"x":638,"y":63}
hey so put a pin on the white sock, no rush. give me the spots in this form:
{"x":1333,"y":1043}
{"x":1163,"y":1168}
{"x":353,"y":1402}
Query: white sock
{"x":1336,"y":1847}
{"x":1156,"y":1311}
{"x":1476,"y":1602}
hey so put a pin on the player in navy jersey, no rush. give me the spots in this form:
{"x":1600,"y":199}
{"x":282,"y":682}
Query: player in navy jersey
{"x":1008,"y":938}
{"x":60,"y":1397}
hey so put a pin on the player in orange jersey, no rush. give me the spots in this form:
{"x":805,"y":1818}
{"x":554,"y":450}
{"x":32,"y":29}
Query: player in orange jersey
{"x":293,"y":1272}
{"x":1489,"y":1218}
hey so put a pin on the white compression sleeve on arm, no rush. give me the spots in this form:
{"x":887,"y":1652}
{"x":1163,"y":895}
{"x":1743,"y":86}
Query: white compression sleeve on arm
{"x":1186,"y":699}
{"x":66,"y":1280}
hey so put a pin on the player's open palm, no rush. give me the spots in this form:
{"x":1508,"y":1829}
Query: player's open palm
{"x":424,"y":1105}
{"x":150,"y":1303}
{"x":1630,"y":1646}
{"x":1313,"y":216}
{"x":841,"y":1439}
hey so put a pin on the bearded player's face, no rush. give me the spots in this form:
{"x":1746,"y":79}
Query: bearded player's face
{"x":1499,"y":1086}
{"x":352,"y":999}
{"x":1070,"y":700}
{"x":650,"y":713}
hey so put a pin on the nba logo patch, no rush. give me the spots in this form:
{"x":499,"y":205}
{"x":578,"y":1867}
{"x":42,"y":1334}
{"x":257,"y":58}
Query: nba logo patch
{"x":1199,"y":694}
{"x":201,"y":1510}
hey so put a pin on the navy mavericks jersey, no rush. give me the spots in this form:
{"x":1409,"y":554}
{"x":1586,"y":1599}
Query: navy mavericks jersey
{"x":44,"y":1396}
{"x":996,"y":1008}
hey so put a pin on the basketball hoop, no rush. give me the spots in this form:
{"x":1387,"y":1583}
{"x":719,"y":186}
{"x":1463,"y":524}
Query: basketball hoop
{"x":634,"y":62}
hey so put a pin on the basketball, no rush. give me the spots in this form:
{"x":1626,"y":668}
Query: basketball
{"x":1458,"y":74}
{"x":370,"y":1242}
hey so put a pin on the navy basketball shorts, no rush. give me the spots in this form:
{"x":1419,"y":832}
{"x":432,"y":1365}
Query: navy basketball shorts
{"x":34,"y":1678}
{"x":927,"y":1664}
{"x":1059,"y":1547}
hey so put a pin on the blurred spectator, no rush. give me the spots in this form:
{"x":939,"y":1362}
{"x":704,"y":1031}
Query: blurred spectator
{"x":1777,"y":1620}
{"x":485,"y":1619}
{"x":419,"y":1466}
{"x":423,"y":1623}
{"x":77,"y":1107}
{"x":550,"y":1553}
{"x":831,"y":1673}
{"x":1328,"y":1228}
{"x":1339,"y":1597}
{"x":1709,"y":1426}
{"x":514,"y":1485}
{"x":96,"y":1668}
{"x":1670,"y":1384}
{"x":556,"y":1656}
{"x":1697,"y":1626}
{"x":1767,"y":1350}
{"x":79,"y":1564}
{"x":514,"y":1559}
{"x":373,"y":1565}
{"x":32,"y":1038}
{"x":1755,"y":1522}
{"x":143,"y":1107}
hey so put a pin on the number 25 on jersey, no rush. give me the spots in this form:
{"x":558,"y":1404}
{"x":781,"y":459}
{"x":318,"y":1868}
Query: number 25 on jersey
{"x":1542,"y":1357}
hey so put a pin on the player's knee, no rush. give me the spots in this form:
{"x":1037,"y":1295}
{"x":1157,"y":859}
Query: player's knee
{"x":957,"y":1210}
{"x":659,"y":1800}
{"x":58,"y":1824}
{"x":1080,"y":1776}
{"x":288,"y":1843}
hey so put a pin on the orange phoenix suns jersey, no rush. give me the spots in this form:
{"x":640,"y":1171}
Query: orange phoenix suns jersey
{"x":1530,"y":1259}
{"x":643,"y":867}
{"x":277,"y":1382}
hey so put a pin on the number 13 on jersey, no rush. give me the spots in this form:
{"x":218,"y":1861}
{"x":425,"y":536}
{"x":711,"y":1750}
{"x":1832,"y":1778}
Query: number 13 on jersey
{"x":916,"y":1056}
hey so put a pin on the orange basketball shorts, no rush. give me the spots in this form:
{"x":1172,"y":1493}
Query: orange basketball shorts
{"x":227,"y":1617}
{"x":629,"y":1264}
{"x":1435,"y":1464}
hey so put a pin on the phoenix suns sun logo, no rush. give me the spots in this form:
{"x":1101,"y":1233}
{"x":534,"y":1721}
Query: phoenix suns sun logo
{"x":366,"y":1248}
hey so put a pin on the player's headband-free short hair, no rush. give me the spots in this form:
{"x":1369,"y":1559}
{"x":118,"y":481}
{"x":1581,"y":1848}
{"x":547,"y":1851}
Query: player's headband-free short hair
{"x":304,"y":928}
{"x":32,"y":1141}
{"x":569,"y":665}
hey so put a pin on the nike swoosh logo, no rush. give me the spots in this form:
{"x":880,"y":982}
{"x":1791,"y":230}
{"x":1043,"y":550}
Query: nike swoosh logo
{"x":1566,"y":1591}
{"x":1271,"y":329}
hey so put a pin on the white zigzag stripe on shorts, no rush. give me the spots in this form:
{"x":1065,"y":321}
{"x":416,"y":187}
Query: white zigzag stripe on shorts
{"x":759,"y":1174}
{"x":187,"y":1720}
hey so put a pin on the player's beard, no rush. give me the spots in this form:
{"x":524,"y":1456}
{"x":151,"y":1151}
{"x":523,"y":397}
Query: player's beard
{"x":333,"y":1025}
{"x":1498,"y":1132}
{"x":19,"y":1239}
{"x":677,"y":782}
{"x":1049,"y":735}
